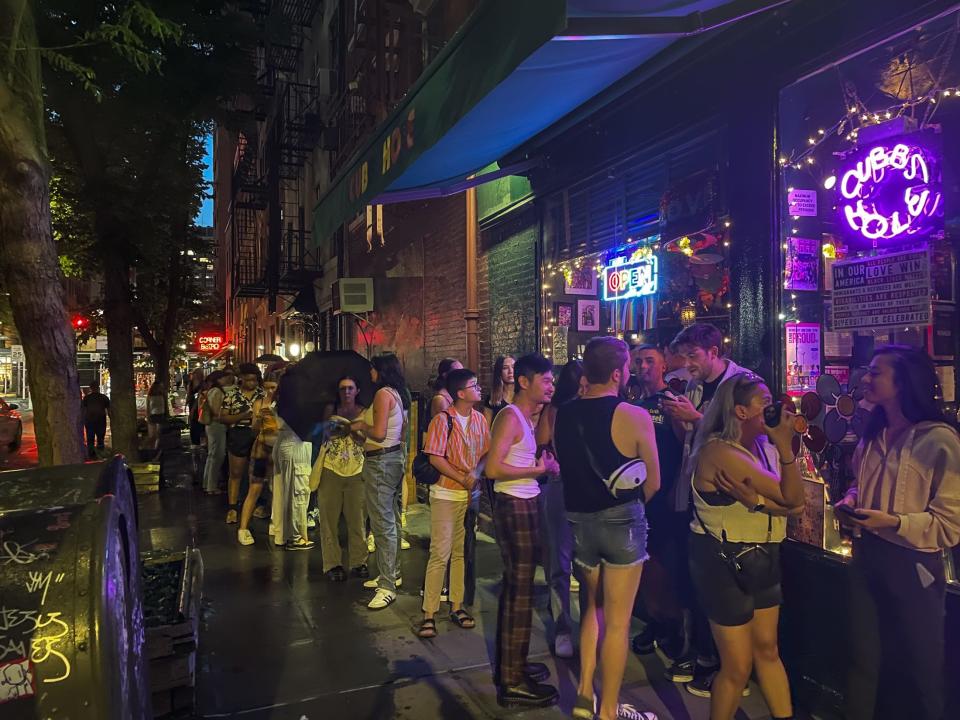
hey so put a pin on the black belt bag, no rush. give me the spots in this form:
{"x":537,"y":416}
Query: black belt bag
{"x":754,"y":566}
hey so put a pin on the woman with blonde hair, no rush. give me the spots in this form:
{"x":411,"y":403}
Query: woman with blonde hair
{"x":745,"y":482}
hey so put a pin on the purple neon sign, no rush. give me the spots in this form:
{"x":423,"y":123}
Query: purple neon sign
{"x":891,"y":192}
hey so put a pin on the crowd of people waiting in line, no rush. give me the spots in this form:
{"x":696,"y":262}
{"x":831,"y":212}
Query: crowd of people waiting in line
{"x":674,"y":458}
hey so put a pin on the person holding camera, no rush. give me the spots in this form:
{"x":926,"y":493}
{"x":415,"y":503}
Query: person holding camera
{"x":905,"y":505}
{"x":664,"y":590}
{"x":607,"y":452}
{"x":746,"y":481}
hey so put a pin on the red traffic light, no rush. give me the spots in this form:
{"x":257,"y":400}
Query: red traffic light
{"x":80,"y":322}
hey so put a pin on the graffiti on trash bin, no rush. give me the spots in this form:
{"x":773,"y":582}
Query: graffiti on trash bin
{"x":12,"y":552}
{"x":61,"y":521}
{"x":16,"y":680}
{"x":45,"y":632}
{"x":40,"y":582}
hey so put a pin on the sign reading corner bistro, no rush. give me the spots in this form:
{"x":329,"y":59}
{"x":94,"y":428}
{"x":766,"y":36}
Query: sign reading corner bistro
{"x":882,"y":292}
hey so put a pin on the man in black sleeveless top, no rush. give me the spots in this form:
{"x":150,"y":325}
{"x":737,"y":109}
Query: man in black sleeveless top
{"x":596,"y":436}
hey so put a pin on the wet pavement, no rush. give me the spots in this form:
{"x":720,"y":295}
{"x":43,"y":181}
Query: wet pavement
{"x":279,"y":641}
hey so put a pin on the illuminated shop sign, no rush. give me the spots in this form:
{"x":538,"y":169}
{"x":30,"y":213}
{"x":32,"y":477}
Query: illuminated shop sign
{"x":631,"y":277}
{"x":210,"y":342}
{"x":891,"y":192}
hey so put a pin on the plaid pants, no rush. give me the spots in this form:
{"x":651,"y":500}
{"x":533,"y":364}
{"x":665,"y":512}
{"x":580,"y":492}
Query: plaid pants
{"x":517,"y":524}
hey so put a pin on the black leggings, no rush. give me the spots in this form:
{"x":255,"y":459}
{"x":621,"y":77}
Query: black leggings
{"x":897,"y":608}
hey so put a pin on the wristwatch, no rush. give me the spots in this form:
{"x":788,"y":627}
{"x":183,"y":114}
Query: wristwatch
{"x":761,"y":505}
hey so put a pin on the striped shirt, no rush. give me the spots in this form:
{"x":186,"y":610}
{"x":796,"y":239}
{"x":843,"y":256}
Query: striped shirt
{"x":463,"y":451}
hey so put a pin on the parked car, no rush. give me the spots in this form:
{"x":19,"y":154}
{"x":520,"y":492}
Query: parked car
{"x":11,"y":426}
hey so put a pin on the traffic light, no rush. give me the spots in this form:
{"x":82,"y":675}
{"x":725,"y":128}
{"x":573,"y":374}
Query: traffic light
{"x":80,"y":323}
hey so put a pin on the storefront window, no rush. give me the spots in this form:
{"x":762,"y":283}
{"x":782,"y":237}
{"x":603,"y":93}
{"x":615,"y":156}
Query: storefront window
{"x":868,"y":150}
{"x":643,"y":287}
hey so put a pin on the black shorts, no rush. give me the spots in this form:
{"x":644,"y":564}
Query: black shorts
{"x":721,"y":598}
{"x":240,"y":440}
{"x":259,"y":473}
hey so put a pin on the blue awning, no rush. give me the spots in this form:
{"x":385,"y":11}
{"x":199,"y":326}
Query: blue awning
{"x":497,"y":85}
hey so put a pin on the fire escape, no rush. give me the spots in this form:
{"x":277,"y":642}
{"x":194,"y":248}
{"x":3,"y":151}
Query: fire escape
{"x":271,"y":244}
{"x":378,"y":73}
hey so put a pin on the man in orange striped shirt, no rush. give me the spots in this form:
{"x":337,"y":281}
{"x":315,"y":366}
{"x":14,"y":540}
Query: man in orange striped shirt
{"x":457,"y":441}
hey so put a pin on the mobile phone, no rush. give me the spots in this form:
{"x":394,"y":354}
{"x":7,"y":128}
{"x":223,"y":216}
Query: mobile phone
{"x":772,"y":414}
{"x":849,"y":511}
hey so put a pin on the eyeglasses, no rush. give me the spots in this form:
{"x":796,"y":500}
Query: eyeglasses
{"x":473,"y":386}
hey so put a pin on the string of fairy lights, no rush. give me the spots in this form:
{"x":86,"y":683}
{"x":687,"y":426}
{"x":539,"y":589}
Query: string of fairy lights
{"x":566,"y":271}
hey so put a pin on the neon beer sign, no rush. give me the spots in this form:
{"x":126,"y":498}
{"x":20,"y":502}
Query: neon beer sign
{"x":629,"y":278}
{"x":891,"y":192}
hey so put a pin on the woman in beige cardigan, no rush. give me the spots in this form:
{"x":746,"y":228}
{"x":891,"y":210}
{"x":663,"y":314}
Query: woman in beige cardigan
{"x":905,"y":511}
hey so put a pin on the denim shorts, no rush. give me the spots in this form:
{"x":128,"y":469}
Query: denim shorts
{"x":616,"y":536}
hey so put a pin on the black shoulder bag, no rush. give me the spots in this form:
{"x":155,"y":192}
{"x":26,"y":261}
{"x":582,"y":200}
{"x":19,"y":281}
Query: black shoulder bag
{"x":423,"y":470}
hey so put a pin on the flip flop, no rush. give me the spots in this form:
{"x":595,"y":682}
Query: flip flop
{"x":463,"y":620}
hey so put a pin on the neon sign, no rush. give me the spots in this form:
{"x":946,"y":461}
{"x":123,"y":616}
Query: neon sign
{"x":630,"y":277}
{"x":891,"y":192}
{"x":210,"y":342}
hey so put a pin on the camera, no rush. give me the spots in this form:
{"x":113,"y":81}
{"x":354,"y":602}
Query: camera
{"x":772,"y":414}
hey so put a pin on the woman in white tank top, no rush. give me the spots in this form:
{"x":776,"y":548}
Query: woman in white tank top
{"x":383,"y":426}
{"x":742,"y":491}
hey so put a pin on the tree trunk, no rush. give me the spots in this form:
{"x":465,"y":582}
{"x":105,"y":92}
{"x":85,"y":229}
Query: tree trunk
{"x":119,"y":322}
{"x":31,"y":274}
{"x":28,"y":257}
{"x":161,"y":370}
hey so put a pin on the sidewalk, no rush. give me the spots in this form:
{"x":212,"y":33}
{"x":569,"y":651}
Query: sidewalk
{"x":279,"y":641}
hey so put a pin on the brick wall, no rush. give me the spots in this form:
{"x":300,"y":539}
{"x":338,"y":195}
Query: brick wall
{"x":508,"y":292}
{"x":419,"y":284}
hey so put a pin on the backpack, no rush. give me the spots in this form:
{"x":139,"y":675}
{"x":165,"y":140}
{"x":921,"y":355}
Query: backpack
{"x":423,"y":470}
{"x":204,"y":411}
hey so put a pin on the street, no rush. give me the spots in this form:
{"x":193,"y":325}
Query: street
{"x":26,"y":457}
{"x":280,"y":642}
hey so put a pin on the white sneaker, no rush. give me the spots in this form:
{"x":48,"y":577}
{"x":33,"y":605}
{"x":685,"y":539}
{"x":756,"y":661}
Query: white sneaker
{"x":629,"y":712}
{"x":404,"y":544}
{"x":244,"y":537}
{"x":563,"y":646}
{"x":384,"y":598}
{"x":374,"y":583}
{"x":371,"y":544}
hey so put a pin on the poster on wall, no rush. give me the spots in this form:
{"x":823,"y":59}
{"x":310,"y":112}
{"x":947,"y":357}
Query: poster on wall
{"x":882,"y":292}
{"x":803,"y":356}
{"x":802,"y":203}
{"x":942,"y":333}
{"x":581,"y":281}
{"x":588,"y":315}
{"x":564,"y":314}
{"x":559,"y":347}
{"x":840,"y":372}
{"x":802,"y":266}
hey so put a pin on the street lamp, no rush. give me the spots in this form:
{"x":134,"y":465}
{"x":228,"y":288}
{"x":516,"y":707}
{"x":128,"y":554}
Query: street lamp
{"x":294,"y":350}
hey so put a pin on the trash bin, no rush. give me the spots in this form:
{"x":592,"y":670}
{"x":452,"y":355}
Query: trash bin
{"x":71,"y":602}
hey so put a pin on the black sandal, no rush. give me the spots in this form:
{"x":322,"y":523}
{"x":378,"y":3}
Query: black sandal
{"x":463,"y":620}
{"x":428,"y":629}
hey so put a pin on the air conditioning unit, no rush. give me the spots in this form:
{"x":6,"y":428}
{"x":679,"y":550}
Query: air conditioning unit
{"x":353,"y":295}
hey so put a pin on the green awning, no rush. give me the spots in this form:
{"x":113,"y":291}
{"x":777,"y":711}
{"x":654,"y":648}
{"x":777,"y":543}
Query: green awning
{"x":515,"y":68}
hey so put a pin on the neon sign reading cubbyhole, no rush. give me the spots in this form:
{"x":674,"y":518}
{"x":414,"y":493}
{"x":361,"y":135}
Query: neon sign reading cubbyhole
{"x":627,"y":278}
{"x":891,"y":192}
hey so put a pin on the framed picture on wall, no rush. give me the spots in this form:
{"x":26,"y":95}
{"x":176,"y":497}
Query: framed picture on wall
{"x":563,"y":312}
{"x":582,"y":281}
{"x":588,"y":315}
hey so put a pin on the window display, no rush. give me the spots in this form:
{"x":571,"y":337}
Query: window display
{"x":867,"y":248}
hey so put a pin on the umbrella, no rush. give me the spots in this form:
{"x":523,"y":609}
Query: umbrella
{"x":310,"y":385}
{"x":269,"y":358}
